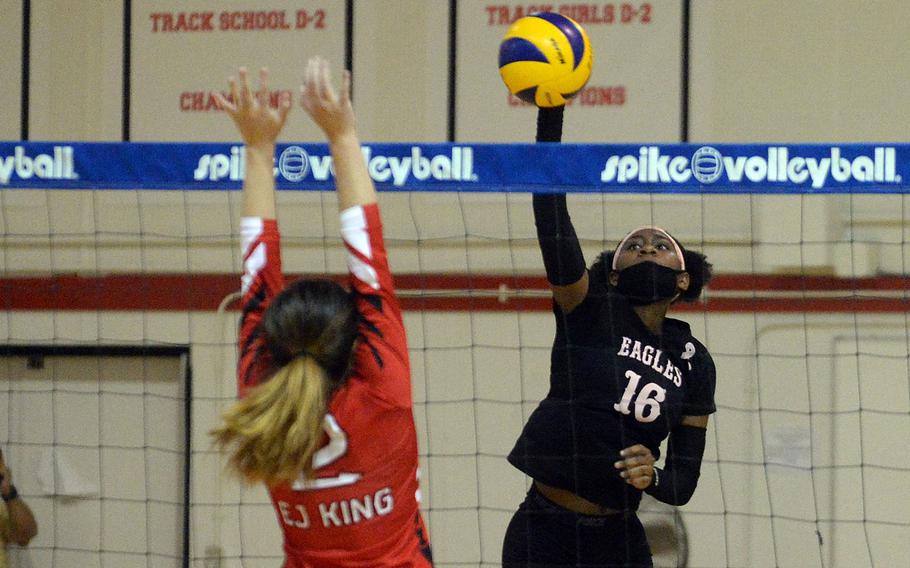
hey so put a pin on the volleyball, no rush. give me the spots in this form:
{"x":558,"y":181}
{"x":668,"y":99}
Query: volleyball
{"x":545,"y":59}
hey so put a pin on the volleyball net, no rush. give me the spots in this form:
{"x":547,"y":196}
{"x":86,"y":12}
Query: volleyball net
{"x":119,"y":268}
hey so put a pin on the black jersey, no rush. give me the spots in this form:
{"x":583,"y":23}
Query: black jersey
{"x":613,"y":384}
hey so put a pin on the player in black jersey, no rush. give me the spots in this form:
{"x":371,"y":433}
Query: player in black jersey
{"x":623,"y":378}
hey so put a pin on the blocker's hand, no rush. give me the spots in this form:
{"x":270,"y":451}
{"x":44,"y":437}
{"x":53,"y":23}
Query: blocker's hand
{"x":330,"y":110}
{"x":636,"y":466}
{"x":257,"y":120}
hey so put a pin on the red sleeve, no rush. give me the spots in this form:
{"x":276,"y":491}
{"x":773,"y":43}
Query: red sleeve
{"x":382,"y":356}
{"x":261,"y":281}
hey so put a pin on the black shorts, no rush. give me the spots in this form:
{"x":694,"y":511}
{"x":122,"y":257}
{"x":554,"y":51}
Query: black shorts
{"x":543,"y":534}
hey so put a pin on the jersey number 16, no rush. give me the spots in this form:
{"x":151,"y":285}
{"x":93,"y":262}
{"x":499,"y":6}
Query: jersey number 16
{"x":647,"y":403}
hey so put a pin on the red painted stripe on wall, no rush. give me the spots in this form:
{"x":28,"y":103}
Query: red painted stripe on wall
{"x":448,"y":292}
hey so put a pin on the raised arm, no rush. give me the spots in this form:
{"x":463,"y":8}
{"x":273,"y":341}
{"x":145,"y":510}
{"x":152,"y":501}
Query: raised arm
{"x":332,"y":112}
{"x":259,"y":124}
{"x":562,"y":256}
{"x":382,"y":353}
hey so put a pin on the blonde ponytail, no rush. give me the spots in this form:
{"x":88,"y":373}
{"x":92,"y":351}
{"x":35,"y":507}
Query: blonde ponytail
{"x":274,"y":431}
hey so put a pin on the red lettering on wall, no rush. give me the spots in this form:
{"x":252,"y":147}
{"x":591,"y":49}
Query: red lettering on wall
{"x":589,"y":96}
{"x":316,"y":19}
{"x":600,"y":96}
{"x":254,"y":20}
{"x":204,"y":101}
{"x":182,"y":22}
{"x":199,"y":101}
{"x":502,"y":15}
{"x":590,"y":13}
{"x":233,"y":21}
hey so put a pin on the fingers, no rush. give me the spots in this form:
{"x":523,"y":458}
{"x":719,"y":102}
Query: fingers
{"x":639,"y":477}
{"x":306,"y":88}
{"x":637,"y":471}
{"x":322,"y":78}
{"x":246,"y":95}
{"x":317,"y":85}
{"x":242,"y":96}
{"x":636,"y":449}
{"x":284,"y":108}
{"x":642,"y":481}
{"x":325,"y":83}
{"x":309,"y":80}
{"x":235,"y":93}
{"x":224,"y":104}
{"x":316,"y":94}
{"x":636,"y":466}
{"x":635,"y":453}
{"x":634,"y":463}
{"x":262,"y":95}
{"x":229,"y":106}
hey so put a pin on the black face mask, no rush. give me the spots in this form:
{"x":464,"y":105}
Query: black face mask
{"x":647,"y":282}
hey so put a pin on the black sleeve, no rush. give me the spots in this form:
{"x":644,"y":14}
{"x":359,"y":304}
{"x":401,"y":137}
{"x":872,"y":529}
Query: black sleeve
{"x":699,"y":397}
{"x":676,"y":483}
{"x":562,"y":256}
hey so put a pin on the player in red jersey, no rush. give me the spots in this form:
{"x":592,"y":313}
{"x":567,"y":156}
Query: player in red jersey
{"x":324,"y":417}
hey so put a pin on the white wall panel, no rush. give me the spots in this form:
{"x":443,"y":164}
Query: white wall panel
{"x":10,"y":68}
{"x":401,"y":70}
{"x":803,"y":71}
{"x":182,"y":51}
{"x":76,"y":71}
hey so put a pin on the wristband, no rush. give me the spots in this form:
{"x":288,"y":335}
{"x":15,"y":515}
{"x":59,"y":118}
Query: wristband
{"x":13,"y":494}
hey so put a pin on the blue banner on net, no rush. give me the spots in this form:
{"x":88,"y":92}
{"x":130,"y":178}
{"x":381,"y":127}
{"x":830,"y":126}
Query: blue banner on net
{"x":585,"y":168}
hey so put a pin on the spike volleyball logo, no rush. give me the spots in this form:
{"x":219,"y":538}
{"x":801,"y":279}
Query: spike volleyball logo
{"x":22,"y":163}
{"x":707,"y":165}
{"x":295,"y":164}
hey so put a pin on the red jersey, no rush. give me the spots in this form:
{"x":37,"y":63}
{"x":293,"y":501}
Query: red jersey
{"x":361,"y":508}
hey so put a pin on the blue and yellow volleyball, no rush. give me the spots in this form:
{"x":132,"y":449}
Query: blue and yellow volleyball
{"x":545,"y":59}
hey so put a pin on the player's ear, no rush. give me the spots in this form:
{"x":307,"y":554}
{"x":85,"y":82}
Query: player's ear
{"x":613,"y":278}
{"x":683,"y":280}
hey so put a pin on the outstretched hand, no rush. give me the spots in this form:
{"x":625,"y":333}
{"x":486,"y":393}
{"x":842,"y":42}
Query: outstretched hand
{"x":257,"y":120}
{"x":636,"y":466}
{"x":331,"y":111}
